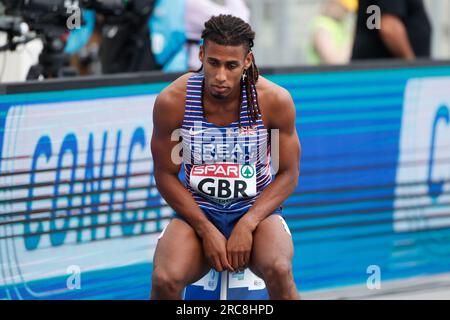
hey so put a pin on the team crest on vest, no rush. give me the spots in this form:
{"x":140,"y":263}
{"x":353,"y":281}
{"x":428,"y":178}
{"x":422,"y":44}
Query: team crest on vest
{"x":247,"y":130}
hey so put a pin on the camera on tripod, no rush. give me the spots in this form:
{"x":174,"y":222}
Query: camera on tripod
{"x":48,"y":21}
{"x":127,"y":49}
{"x":126,"y":43}
{"x":40,"y":13}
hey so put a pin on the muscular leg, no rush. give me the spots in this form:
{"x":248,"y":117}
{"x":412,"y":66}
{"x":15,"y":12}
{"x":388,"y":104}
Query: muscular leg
{"x":271,"y":258}
{"x":178,"y":261}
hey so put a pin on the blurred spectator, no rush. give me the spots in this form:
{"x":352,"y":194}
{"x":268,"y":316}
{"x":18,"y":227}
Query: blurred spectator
{"x":174,"y":30}
{"x":198,"y":12}
{"x":120,"y":41}
{"x":84,"y":45}
{"x":332,"y":33}
{"x":405,"y":31}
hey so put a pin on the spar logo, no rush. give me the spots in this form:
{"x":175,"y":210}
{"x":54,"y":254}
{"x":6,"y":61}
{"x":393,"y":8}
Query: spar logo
{"x":247,"y":171}
{"x":423,"y":174}
{"x":224,"y":182}
{"x":220,"y":171}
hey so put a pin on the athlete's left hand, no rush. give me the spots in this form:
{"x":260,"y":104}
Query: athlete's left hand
{"x":239,"y":246}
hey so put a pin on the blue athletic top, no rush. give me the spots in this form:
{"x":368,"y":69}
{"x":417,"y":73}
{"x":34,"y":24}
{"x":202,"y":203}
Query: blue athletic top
{"x":226,"y":167}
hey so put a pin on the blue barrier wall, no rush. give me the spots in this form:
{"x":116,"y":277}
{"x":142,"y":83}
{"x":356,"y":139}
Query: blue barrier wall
{"x":79,"y":212}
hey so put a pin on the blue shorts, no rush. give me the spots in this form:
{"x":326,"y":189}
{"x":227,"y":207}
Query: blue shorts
{"x":225,"y":222}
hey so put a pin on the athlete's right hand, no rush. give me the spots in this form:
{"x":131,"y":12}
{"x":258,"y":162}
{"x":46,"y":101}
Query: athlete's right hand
{"x":215,"y":248}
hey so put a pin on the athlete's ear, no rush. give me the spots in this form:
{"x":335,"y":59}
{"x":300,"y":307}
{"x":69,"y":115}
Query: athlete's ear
{"x":248,"y":60}
{"x":201,"y":53}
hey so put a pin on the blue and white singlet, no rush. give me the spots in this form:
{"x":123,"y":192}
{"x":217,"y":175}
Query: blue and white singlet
{"x":226,"y":167}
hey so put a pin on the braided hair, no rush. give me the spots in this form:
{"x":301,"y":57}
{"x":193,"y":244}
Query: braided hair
{"x":227,"y":30}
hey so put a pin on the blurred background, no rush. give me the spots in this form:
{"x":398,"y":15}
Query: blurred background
{"x":79,"y":211}
{"x":287,"y":33}
{"x":288,"y":25}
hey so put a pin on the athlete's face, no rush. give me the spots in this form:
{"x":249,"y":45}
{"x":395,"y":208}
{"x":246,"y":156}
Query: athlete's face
{"x":223,"y":67}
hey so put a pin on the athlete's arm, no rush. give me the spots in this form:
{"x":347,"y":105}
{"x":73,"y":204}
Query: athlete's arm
{"x":167,"y":118}
{"x":279,"y":114}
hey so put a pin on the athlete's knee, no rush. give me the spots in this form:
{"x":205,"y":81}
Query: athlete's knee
{"x":165,"y":281}
{"x":277,"y":272}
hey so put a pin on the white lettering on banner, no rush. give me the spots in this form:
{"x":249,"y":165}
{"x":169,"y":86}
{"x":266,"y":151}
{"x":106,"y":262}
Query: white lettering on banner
{"x":423,"y":174}
{"x":84,"y":164}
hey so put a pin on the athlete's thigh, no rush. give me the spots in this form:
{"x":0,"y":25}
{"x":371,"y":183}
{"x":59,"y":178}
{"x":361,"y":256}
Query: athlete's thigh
{"x":272,"y":243}
{"x":179,"y":253}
